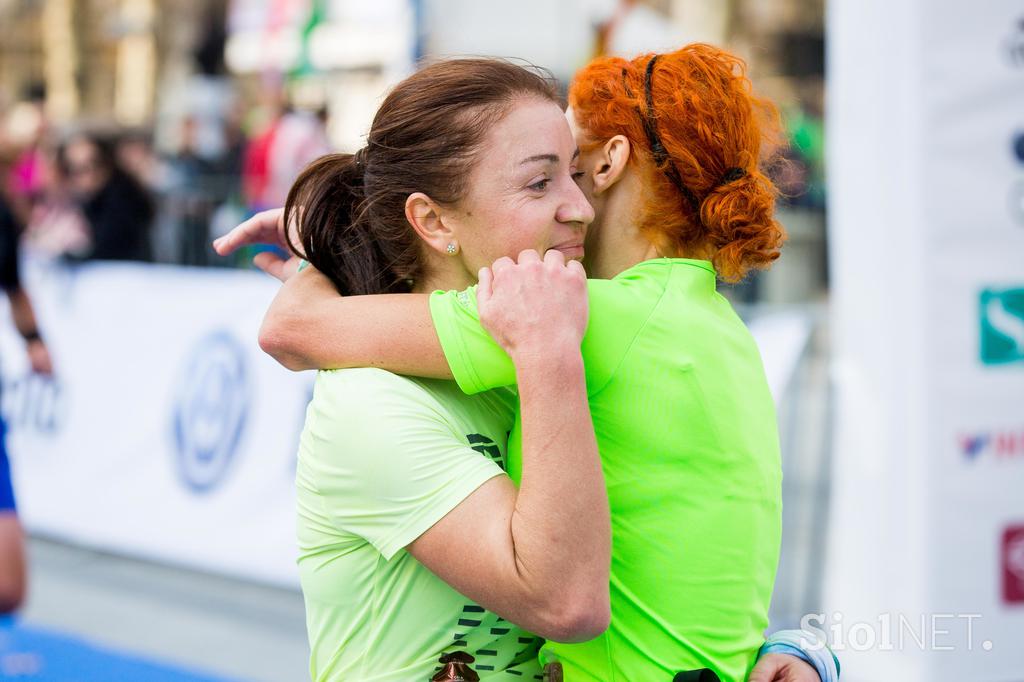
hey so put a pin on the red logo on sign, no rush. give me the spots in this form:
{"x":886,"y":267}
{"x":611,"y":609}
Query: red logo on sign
{"x":1013,"y":565}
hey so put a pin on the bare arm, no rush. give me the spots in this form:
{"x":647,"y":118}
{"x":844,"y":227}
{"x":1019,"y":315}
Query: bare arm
{"x":539,"y":556}
{"x":309,"y":326}
{"x":22,"y":312}
{"x":25,"y":322}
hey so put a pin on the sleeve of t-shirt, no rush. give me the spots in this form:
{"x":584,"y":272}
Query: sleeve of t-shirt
{"x":477,"y":362}
{"x":388,"y":466}
{"x":618,"y":311}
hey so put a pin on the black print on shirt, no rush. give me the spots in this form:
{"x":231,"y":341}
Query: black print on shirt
{"x":486,"y":446}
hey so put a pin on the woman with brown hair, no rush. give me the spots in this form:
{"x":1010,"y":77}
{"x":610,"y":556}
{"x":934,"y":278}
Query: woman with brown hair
{"x":413,"y":543}
{"x":673,"y":147}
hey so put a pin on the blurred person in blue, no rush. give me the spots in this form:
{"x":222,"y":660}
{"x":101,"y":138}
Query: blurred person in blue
{"x":116,"y":206}
{"x":12,"y":540}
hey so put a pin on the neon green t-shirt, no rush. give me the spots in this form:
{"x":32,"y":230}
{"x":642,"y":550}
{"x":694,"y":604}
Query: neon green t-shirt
{"x":382,"y":458}
{"x":686,"y":428}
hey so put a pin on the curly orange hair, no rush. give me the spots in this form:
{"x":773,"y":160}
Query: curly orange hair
{"x":717,"y":136}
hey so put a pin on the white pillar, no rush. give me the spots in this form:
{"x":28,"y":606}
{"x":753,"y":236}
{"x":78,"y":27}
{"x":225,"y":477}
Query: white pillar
{"x":924,"y":102}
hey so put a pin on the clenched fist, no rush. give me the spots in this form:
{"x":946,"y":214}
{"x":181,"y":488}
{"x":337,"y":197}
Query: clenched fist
{"x":534,"y":307}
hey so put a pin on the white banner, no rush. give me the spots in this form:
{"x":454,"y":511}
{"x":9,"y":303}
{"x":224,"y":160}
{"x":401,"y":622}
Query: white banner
{"x":926,"y":191}
{"x":166,"y":432}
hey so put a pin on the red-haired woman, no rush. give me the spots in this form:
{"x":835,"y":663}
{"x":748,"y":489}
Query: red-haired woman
{"x":673,"y":147}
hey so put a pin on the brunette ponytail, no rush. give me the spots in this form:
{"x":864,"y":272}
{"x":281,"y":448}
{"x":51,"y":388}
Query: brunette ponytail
{"x":327,"y":202}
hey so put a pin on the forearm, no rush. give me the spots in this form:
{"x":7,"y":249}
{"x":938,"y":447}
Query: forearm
{"x":560,"y":525}
{"x":22,"y":313}
{"x":543,"y":549}
{"x":309,"y":326}
{"x":295,"y":328}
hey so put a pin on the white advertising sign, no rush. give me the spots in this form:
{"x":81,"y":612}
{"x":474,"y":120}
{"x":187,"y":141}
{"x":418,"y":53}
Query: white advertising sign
{"x":166,"y":432}
{"x":925,"y":573}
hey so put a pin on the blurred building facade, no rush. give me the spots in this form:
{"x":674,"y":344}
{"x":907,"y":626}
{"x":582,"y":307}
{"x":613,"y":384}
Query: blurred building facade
{"x":197,"y":86}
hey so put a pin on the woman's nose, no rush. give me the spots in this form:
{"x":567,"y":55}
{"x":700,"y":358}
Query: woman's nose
{"x":575,"y":208}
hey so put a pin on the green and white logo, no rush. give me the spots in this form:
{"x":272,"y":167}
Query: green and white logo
{"x":1002,"y":326}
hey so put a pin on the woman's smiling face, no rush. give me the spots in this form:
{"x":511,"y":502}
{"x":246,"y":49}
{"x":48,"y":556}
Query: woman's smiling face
{"x":522,"y":190}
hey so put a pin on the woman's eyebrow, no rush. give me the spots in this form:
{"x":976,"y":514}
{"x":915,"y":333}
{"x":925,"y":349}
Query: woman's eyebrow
{"x":552,"y":158}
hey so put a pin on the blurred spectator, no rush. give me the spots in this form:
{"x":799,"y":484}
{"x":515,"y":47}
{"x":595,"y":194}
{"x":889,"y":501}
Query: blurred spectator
{"x":134,"y":153}
{"x":190,"y":166}
{"x":234,"y":150}
{"x":12,"y":537}
{"x":27,"y":127}
{"x":299,"y":138}
{"x":56,"y":227}
{"x":118,"y":209}
{"x":229,"y":204}
{"x":804,"y":186}
{"x":192,"y":193}
{"x":288,"y":142}
{"x":635,"y":27}
{"x":277,"y":155}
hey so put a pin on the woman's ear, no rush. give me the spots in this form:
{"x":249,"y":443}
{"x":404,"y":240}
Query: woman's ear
{"x":424,"y":215}
{"x":610,"y":163}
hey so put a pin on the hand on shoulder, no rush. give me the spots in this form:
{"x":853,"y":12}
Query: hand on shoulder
{"x":532,"y":306}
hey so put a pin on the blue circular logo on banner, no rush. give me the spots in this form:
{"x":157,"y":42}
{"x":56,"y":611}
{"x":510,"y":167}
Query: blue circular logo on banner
{"x":1018,"y":147}
{"x":210,"y":410}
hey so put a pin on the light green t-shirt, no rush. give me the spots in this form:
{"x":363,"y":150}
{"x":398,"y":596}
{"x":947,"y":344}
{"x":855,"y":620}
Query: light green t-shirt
{"x":382,"y":458}
{"x":686,"y":428}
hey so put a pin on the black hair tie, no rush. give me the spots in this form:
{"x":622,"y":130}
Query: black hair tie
{"x":731,"y":175}
{"x":661,"y":157}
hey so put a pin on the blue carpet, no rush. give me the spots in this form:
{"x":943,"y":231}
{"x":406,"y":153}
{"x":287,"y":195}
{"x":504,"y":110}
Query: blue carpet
{"x":28,"y":653}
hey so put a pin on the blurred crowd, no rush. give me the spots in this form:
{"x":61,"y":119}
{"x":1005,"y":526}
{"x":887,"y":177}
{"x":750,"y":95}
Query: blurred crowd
{"x":93,"y":192}
{"x":218,"y":144}
{"x":96,"y":192}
